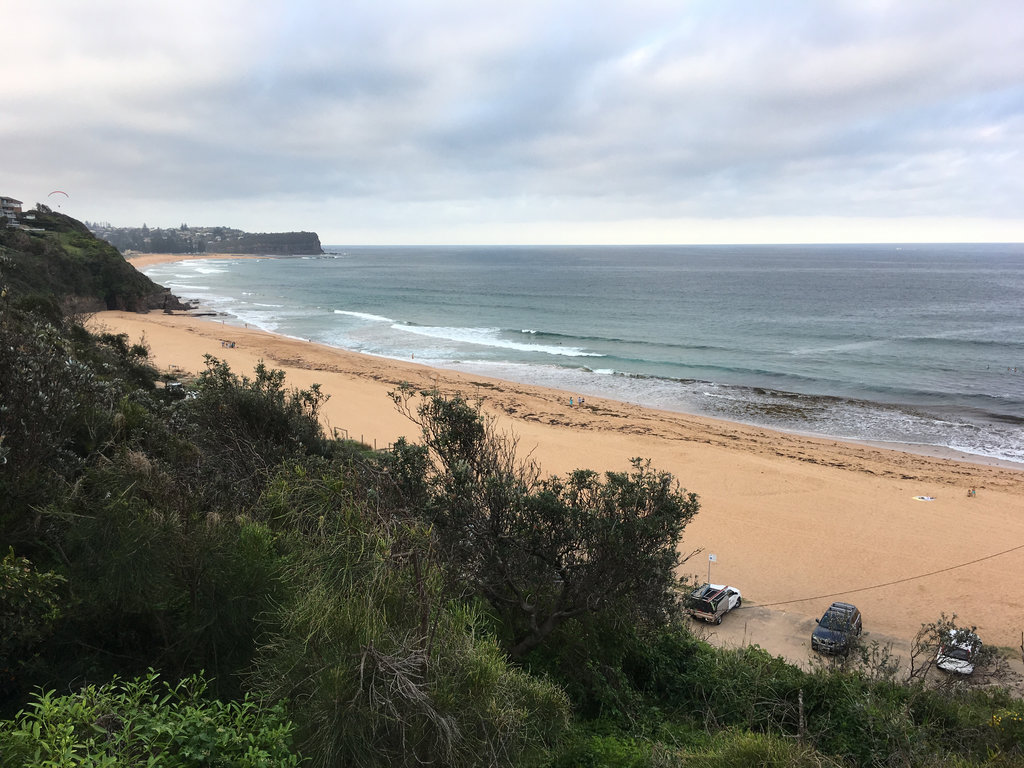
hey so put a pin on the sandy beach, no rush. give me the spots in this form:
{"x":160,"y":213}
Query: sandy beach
{"x":794,"y":522}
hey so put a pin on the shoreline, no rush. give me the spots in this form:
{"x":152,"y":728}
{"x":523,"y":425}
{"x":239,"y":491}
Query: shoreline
{"x":142,"y":261}
{"x":790,"y":517}
{"x":942,"y":452}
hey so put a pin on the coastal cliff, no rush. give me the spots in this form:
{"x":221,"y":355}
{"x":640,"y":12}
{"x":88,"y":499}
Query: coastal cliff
{"x":60,"y":260}
{"x":285,"y":243}
{"x":186,"y":239}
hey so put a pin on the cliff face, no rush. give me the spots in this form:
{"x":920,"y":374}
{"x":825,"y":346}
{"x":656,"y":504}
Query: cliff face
{"x":63,"y":260}
{"x":278,"y":243}
{"x":185,"y":239}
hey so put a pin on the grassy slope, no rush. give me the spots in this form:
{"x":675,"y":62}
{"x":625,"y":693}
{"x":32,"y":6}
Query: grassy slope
{"x":68,"y":262}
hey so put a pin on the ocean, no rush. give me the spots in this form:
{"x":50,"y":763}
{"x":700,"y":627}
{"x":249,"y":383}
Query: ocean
{"x":921,"y":345}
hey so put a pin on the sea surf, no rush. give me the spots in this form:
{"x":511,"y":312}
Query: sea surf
{"x":917,"y":345}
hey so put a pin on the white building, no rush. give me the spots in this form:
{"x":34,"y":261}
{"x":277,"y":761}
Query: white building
{"x":10,"y":208}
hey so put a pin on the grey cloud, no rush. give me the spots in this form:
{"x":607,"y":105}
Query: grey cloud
{"x":705,"y":109}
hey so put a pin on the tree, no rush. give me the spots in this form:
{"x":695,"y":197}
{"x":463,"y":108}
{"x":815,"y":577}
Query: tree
{"x":244,"y":427}
{"x":990,"y":667}
{"x":543,"y":551}
{"x":50,"y":400}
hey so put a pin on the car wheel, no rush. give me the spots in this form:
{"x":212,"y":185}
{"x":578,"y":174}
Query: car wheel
{"x":718,"y":619}
{"x":739,"y":601}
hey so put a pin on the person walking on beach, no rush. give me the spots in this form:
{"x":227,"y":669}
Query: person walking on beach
{"x":570,"y":401}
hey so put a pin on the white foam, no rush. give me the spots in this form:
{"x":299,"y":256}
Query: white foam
{"x":488,"y":337}
{"x":364,"y":316}
{"x":848,"y":346}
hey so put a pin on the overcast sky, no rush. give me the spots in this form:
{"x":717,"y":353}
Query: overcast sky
{"x":443,"y":121}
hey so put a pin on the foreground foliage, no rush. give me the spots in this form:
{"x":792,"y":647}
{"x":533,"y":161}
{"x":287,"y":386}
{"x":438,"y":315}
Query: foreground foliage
{"x":382,"y":667}
{"x":672,"y":690}
{"x":146,"y":722}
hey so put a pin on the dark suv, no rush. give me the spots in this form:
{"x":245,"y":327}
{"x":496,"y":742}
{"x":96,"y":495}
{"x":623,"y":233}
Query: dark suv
{"x":840,"y":625}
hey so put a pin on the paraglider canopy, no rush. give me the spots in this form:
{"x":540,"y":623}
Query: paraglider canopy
{"x":58,"y":192}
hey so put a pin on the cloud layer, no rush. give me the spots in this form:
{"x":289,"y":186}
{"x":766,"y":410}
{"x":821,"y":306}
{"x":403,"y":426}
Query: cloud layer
{"x":459,"y":121}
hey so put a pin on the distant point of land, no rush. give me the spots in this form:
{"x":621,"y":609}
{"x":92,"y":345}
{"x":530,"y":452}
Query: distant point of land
{"x":196,"y":240}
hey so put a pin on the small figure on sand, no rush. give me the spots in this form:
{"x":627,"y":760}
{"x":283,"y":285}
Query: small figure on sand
{"x":570,"y":401}
{"x":970,"y":493}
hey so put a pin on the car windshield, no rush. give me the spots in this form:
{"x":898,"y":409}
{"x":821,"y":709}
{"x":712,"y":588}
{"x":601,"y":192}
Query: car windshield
{"x":955,"y":652}
{"x":835,"y":620}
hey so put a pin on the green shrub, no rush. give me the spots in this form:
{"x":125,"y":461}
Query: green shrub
{"x":742,"y":749}
{"x":30,"y":602}
{"x":142,"y":723}
{"x":155,"y":587}
{"x":1008,"y":724}
{"x":383,"y":670}
{"x":591,"y":750}
{"x":545,"y":551}
{"x":245,"y":428}
{"x":48,"y":398}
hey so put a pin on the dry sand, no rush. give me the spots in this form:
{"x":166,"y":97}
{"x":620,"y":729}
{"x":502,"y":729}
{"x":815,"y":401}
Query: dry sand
{"x":795,"y":522}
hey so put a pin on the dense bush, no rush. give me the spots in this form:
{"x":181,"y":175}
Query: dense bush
{"x":49,"y":404}
{"x":244,"y":428}
{"x":742,"y":749}
{"x":141,"y":722}
{"x":595,"y":750}
{"x":113,"y":487}
{"x":543,"y":551}
{"x":382,"y":668}
{"x":643,"y":693}
{"x":845,"y":714}
{"x":30,"y":602}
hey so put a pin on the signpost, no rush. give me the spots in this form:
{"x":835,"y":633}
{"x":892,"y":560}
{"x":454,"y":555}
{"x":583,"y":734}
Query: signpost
{"x":711,"y":559}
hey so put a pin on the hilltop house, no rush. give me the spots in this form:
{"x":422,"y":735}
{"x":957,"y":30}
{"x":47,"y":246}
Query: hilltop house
{"x":10,"y":209}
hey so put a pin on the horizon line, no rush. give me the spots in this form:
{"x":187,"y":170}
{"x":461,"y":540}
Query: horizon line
{"x":671,"y":245}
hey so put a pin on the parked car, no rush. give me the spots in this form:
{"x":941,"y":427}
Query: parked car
{"x":712,"y":601}
{"x":958,"y":652}
{"x":837,"y":629}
